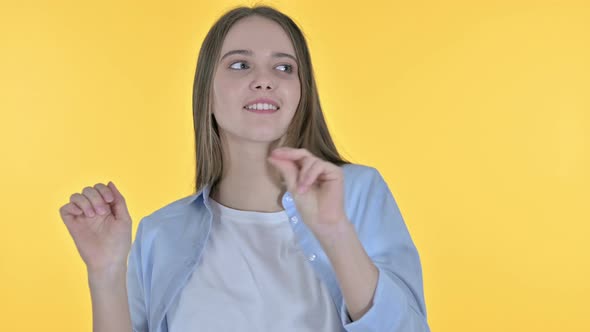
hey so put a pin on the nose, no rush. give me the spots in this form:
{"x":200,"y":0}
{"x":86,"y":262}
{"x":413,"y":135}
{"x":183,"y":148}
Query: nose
{"x":262,"y":81}
{"x":264,"y":86}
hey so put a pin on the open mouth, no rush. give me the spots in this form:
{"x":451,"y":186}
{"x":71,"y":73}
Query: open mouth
{"x":260,"y":107}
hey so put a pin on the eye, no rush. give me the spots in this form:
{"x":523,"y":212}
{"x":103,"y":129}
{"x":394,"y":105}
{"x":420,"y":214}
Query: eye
{"x":240,"y":67}
{"x":289,"y":68}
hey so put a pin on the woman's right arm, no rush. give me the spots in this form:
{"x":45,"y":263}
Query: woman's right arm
{"x":108,"y":291}
{"x":99,"y":223}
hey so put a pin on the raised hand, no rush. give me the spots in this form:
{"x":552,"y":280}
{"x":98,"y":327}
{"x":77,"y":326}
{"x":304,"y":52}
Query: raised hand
{"x":98,"y":221}
{"x":317,"y":187}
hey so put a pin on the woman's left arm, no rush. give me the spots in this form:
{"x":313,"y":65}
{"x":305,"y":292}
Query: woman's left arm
{"x":356,"y":273}
{"x":377,"y":265}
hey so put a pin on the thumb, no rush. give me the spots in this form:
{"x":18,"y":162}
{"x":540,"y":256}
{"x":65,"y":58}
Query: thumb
{"x":288,"y":172}
{"x":119,"y":206}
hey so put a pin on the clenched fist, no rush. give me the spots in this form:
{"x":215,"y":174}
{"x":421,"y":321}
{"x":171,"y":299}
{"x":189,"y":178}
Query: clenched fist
{"x":100,"y":225}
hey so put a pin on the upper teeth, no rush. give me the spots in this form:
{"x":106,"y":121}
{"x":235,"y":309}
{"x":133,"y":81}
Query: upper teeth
{"x":261,"y":106}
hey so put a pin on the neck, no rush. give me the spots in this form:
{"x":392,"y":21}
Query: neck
{"x":249,"y":182}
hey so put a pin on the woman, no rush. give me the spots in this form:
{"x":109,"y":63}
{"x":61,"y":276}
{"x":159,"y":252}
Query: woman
{"x":282,"y":233}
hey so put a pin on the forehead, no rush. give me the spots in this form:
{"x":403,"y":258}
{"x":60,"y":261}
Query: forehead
{"x":261,"y":35}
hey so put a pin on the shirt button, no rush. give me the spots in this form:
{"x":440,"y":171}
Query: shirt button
{"x":312,"y":257}
{"x":294,"y":219}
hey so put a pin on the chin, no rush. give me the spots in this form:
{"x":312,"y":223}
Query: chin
{"x":253,"y":137}
{"x":260,"y":134}
{"x":264,"y":138}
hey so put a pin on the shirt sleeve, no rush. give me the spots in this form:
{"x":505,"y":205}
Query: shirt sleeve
{"x":398,"y":302}
{"x":135,"y":286}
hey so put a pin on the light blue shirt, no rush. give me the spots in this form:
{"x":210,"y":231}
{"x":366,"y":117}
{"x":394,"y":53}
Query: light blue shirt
{"x":170,"y":241}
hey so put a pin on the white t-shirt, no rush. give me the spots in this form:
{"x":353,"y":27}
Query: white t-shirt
{"x":252,"y":277}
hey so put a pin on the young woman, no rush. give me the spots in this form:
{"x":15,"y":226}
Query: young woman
{"x":282,"y":233}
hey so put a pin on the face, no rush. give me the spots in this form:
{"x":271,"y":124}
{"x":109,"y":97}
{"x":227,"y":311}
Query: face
{"x":263,"y":66}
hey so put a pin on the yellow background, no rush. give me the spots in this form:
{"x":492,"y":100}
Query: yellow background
{"x":476,"y":113}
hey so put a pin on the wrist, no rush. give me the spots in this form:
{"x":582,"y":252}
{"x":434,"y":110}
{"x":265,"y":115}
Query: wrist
{"x":107,"y":276}
{"x":334,"y":234}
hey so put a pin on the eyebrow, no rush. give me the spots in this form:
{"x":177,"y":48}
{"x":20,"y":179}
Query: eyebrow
{"x":249,"y":53}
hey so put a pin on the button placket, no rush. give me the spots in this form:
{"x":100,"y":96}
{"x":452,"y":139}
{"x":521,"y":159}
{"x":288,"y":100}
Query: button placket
{"x":288,"y":197}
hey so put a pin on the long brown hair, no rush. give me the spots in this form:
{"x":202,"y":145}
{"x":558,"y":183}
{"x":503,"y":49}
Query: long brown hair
{"x":307,"y":129}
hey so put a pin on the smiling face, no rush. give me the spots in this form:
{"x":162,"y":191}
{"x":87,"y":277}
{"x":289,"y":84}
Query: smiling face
{"x":257,"y":61}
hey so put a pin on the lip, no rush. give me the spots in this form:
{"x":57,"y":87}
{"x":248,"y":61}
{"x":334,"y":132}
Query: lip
{"x":262,"y":111}
{"x":263,"y":101}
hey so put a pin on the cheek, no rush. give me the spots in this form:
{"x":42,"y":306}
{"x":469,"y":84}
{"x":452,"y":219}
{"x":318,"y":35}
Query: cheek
{"x":220,"y":93}
{"x":294,"y":91}
{"x":219,"y":86}
{"x":293,"y":97}
{"x":225,"y":90}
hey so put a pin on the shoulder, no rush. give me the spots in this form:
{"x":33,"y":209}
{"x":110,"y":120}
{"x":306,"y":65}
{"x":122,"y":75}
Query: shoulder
{"x":352,"y":170}
{"x":172,"y":212}
{"x":365,"y":186}
{"x":358,"y":176}
{"x":175,"y":207}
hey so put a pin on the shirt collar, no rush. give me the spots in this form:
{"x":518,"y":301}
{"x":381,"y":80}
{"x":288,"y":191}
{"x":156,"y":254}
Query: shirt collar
{"x":203,"y":194}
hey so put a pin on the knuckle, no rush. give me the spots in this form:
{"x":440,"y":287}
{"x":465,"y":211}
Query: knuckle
{"x":101,"y":188}
{"x":71,"y":209}
{"x":79,"y":199}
